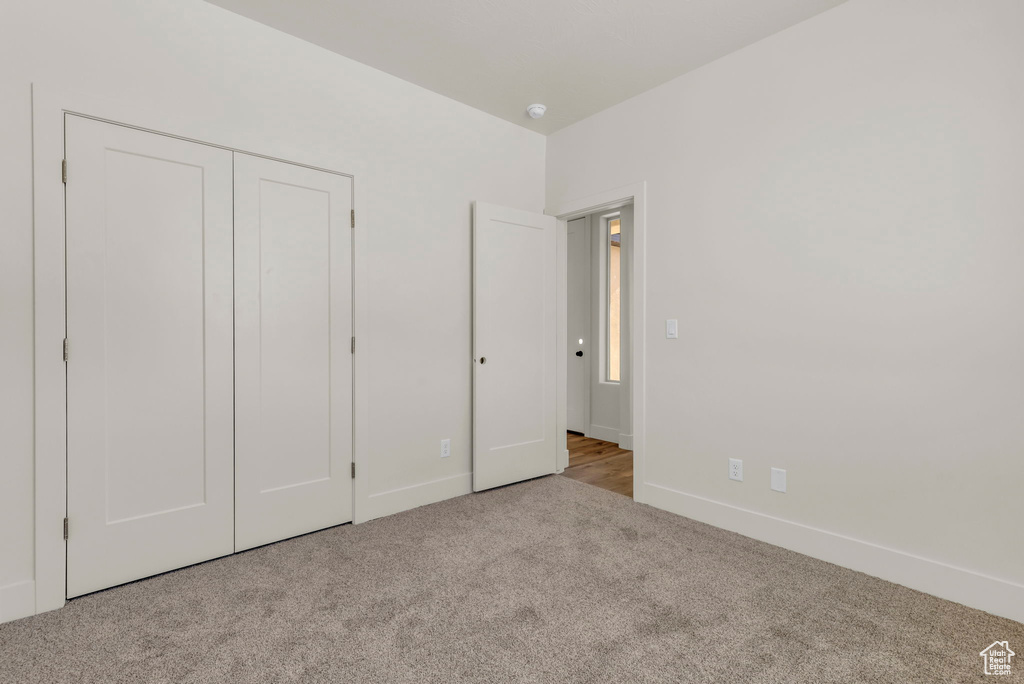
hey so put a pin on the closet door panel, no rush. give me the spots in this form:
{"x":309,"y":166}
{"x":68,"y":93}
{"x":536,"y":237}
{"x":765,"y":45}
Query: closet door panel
{"x":292,"y":343}
{"x":149,"y":376}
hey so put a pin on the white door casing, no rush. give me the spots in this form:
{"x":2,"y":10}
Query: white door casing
{"x":149,"y":374}
{"x":514,"y":345}
{"x":625,"y":438}
{"x":293,"y":364}
{"x":578,"y":315}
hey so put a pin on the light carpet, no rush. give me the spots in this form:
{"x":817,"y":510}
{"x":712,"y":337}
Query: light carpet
{"x":550,"y":580}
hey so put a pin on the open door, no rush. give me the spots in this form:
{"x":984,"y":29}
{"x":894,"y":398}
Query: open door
{"x":514,"y":346}
{"x":581,"y":347}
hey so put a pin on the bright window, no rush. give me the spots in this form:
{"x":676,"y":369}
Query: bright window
{"x":614,"y":298}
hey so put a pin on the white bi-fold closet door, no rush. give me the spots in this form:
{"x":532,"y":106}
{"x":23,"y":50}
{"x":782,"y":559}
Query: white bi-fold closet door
{"x":149,"y":374}
{"x":209,"y":375}
{"x":293,"y":368}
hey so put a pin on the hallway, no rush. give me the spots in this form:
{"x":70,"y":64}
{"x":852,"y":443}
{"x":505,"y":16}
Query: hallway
{"x":598,"y":463}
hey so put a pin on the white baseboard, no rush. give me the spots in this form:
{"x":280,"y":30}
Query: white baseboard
{"x":993,"y":595}
{"x":405,"y":498}
{"x":563,"y":461}
{"x":17,"y":601}
{"x":605,"y":434}
{"x":625,"y":441}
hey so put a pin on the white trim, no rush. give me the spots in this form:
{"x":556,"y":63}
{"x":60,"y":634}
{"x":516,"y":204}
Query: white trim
{"x":17,"y":600}
{"x":603,"y":433}
{"x":361,"y":358}
{"x":996,"y":596}
{"x":414,"y":496}
{"x":625,"y":441}
{"x":562,"y":346}
{"x":636,"y":194}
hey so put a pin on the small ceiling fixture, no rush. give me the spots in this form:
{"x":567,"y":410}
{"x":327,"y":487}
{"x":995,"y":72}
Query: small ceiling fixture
{"x":536,"y":111}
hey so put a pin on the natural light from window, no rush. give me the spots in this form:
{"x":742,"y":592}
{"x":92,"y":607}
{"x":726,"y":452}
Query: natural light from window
{"x":614,"y":247}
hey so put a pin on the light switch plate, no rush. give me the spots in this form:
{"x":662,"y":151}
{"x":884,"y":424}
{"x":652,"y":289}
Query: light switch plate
{"x":778,"y":480}
{"x":671,"y":329}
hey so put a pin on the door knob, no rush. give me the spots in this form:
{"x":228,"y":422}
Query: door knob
{"x":483,"y":360}
{"x":579,"y":353}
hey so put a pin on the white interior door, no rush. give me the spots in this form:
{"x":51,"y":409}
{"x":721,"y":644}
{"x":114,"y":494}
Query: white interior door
{"x":514,"y":345}
{"x":293,"y":364}
{"x":580,"y":347}
{"x":149,"y":375}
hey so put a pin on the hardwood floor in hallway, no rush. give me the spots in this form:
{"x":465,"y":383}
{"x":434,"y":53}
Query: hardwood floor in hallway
{"x":602,"y":464}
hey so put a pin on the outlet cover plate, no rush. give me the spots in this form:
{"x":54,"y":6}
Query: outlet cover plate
{"x":446,"y":448}
{"x":736,"y":469}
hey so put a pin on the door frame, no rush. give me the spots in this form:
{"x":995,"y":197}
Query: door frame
{"x":635,"y":194}
{"x":49,"y":106}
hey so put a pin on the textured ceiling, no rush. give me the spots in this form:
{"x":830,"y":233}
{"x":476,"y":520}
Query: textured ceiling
{"x":575,"y":56}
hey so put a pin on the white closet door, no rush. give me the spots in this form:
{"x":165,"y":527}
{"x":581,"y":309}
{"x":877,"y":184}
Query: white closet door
{"x":293,"y":365}
{"x":149,"y":373}
{"x":514,"y":345}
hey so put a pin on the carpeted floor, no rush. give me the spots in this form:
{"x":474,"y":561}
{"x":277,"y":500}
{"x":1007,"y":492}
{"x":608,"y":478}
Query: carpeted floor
{"x":550,"y":580}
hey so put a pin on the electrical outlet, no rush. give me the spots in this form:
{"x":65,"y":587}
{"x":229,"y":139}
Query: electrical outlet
{"x":736,"y":469}
{"x":778,"y":480}
{"x":446,"y":448}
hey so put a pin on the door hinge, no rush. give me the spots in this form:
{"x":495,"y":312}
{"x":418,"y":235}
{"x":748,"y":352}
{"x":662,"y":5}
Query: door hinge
{"x":63,"y":170}
{"x":353,"y":470}
{"x":65,"y":529}
{"x":65,"y":350}
{"x":353,"y":218}
{"x":353,"y":345}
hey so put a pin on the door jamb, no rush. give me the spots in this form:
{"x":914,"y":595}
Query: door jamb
{"x":49,"y":107}
{"x":636,"y":194}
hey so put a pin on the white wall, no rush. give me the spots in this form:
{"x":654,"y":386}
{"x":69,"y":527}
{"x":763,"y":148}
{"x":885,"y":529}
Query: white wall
{"x":424,"y":159}
{"x":835,"y":218}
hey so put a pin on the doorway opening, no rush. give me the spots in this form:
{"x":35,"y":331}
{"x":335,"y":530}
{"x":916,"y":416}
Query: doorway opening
{"x":599,"y":463}
{"x":598,"y":333}
{"x":521,"y":333}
